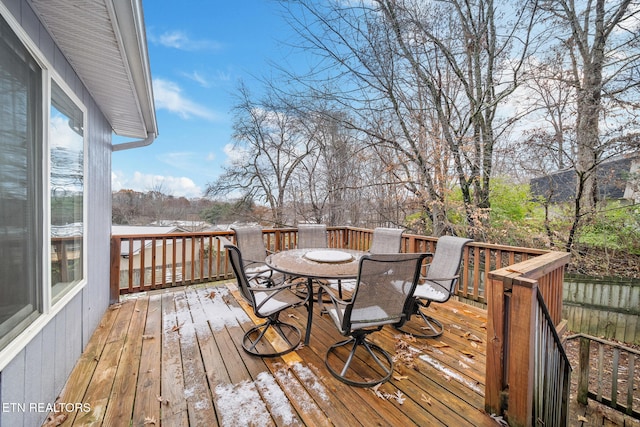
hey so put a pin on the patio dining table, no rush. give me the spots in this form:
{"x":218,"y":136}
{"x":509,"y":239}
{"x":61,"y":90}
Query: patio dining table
{"x":317,"y":263}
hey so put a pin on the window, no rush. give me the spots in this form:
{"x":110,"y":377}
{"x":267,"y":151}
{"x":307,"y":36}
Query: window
{"x":66,"y":144}
{"x":21,"y":205}
{"x":37,"y":211}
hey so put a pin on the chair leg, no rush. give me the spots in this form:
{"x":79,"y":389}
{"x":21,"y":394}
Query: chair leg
{"x":432,"y":328}
{"x":356,"y":375}
{"x":255,"y":343}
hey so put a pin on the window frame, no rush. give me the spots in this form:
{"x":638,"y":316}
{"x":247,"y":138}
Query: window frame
{"x":60,"y":298}
{"x":49,"y":306}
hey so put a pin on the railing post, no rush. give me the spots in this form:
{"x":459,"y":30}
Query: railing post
{"x":521,"y":356}
{"x":512,"y":298}
{"x":583,"y":374}
{"x":494,"y":378}
{"x":278,"y":242}
{"x":114,"y":288}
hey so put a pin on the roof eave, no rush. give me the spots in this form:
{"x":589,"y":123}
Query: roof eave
{"x":105,"y":43}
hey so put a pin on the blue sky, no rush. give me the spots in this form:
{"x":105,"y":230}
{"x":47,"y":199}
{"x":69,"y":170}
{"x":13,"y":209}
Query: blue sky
{"x":199,"y":51}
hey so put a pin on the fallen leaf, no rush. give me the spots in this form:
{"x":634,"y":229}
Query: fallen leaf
{"x":400,"y":377}
{"x":162,"y":400}
{"x":426,"y":400}
{"x":147,"y":337}
{"x":293,"y":316}
{"x":463,"y":365}
{"x":399,"y":397}
{"x":499,"y":419}
{"x":55,"y":419}
{"x":582,"y":419}
{"x":440,"y":345}
{"x":375,"y":390}
{"x":149,"y":420}
{"x":176,"y":327}
{"x":468,"y":354}
{"x":472,"y":337}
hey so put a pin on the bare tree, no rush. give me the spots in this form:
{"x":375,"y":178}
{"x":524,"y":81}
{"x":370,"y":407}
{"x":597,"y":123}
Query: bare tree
{"x":397,"y":62}
{"x":270,"y":142}
{"x":602,"y":43}
{"x":325,"y":183}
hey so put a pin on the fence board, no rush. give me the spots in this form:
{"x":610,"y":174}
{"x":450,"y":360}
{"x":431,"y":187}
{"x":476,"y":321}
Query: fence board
{"x":603,"y":307}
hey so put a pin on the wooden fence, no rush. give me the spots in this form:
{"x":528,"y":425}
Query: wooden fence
{"x":606,"y":308}
{"x":606,"y":374}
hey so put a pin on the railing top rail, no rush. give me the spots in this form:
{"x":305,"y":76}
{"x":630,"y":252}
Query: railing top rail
{"x":606,"y":342}
{"x":479,"y":245}
{"x":533,"y":268}
{"x":177,"y":234}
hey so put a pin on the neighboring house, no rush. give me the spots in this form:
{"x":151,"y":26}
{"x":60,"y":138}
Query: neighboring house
{"x":71,"y":74}
{"x":618,"y":179}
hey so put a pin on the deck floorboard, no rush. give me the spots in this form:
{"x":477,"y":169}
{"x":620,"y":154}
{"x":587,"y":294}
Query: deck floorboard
{"x":175,"y":358}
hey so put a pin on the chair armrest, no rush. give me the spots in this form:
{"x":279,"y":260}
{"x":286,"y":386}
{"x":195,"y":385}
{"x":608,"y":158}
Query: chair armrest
{"x":275,"y":290}
{"x":334,"y":300}
{"x":439,"y":279}
{"x":272,"y":288}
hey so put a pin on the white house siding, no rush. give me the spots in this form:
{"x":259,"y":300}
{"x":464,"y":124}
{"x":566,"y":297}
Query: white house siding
{"x":38,"y":373}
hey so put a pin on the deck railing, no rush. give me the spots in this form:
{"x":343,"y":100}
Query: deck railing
{"x":146,"y":262}
{"x":552,"y":370}
{"x":516,"y":330}
{"x":506,"y":279}
{"x":615,"y":368}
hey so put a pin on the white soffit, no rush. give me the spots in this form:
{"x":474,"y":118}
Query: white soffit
{"x":105,"y":43}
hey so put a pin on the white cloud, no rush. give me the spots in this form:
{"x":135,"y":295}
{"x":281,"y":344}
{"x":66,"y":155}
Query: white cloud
{"x":177,"y":39}
{"x":198,"y":78}
{"x":170,"y":185}
{"x":168,"y":95}
{"x":234,"y":154}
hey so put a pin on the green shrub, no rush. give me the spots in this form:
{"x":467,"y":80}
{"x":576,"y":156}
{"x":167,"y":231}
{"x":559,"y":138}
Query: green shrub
{"x":617,"y":227}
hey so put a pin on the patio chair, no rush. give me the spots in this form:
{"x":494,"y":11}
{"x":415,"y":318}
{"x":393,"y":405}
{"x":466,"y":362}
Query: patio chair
{"x":438,"y":284}
{"x":267,"y":303}
{"x":386,"y":241}
{"x":381,"y":297}
{"x":312,"y":236}
{"x":250,"y":241}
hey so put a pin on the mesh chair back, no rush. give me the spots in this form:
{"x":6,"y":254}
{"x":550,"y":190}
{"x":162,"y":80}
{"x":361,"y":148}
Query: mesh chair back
{"x":386,"y":240}
{"x":249,"y":239}
{"x":446,"y":261}
{"x":312,"y":236}
{"x":235,"y":258}
{"x":385,"y":283}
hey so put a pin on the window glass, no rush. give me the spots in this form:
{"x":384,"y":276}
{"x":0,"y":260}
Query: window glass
{"x":66,"y":144}
{"x":21,"y":192}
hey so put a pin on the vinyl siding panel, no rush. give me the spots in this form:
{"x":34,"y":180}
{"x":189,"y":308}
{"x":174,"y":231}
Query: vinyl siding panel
{"x":40,"y":370}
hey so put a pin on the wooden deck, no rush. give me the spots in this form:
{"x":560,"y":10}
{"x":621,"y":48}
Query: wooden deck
{"x":174,"y":359}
